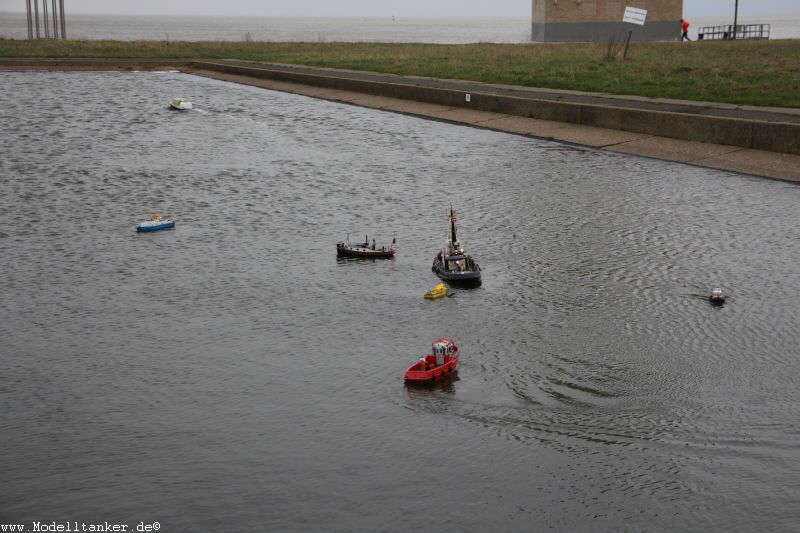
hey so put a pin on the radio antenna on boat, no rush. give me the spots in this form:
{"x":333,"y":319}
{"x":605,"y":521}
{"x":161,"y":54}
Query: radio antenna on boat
{"x":452,"y":217}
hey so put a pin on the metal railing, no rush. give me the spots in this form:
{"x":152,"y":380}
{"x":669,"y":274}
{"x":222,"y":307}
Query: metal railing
{"x":740,"y":31}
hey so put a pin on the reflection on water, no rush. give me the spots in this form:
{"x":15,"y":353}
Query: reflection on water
{"x":422,"y":390}
{"x":232,"y":371}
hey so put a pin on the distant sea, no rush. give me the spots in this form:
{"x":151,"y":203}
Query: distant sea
{"x":402,"y":30}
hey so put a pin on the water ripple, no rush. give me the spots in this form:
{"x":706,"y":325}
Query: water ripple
{"x":598,"y":388}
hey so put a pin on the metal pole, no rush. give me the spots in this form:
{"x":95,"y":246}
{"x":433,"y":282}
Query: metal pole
{"x":45,"y":20}
{"x":63,"y":22}
{"x":30,"y":19}
{"x":735,"y":18}
{"x":627,"y":43}
{"x":36,"y":17}
{"x":55,"y":19}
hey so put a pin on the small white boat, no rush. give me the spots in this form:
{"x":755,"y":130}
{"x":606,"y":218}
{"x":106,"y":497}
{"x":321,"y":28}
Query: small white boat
{"x":180,"y":104}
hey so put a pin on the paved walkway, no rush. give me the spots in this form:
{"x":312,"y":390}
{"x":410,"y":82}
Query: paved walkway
{"x":724,"y":157}
{"x":769,"y":114}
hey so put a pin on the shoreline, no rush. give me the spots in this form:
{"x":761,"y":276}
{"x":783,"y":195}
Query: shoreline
{"x":762,"y":142}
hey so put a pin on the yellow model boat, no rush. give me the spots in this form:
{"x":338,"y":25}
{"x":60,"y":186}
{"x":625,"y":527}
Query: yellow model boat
{"x":437,"y":292}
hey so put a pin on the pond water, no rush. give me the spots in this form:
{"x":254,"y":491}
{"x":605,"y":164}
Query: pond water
{"x":232,"y":374}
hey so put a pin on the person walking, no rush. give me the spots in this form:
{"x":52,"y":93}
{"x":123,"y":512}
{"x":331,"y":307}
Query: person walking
{"x":685,"y":27}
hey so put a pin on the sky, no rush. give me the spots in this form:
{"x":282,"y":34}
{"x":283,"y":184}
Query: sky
{"x":374,"y":8}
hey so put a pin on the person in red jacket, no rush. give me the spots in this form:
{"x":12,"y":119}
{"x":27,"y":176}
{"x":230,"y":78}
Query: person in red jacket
{"x":685,"y":26}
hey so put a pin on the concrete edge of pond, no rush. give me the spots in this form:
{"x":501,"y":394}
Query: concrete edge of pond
{"x":762,"y":142}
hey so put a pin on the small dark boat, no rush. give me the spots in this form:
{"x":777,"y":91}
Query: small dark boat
{"x":717,"y":296}
{"x":441,"y":363}
{"x":453,"y":264}
{"x":366,"y":250}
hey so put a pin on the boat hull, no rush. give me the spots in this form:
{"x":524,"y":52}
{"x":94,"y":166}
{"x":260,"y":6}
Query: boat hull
{"x":468,"y":278}
{"x":344,"y":250}
{"x":434,"y":295}
{"x":414,"y":374}
{"x":156,"y":227}
{"x":180,"y":104}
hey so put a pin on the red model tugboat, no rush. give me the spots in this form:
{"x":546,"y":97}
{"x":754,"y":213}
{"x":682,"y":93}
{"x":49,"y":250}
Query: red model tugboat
{"x":365,"y":249}
{"x":442,"y":362}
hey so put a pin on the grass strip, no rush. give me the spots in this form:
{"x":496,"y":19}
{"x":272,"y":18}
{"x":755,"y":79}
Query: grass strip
{"x":762,"y":73}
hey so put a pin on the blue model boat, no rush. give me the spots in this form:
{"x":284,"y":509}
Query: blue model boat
{"x":156,"y":223}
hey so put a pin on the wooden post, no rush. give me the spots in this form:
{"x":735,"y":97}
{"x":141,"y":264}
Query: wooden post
{"x":627,"y":42}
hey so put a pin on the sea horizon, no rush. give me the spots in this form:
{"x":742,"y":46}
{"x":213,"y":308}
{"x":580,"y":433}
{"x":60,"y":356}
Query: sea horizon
{"x":435,"y":30}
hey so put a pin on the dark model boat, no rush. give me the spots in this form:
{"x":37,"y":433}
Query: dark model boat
{"x":453,"y":264}
{"x":717,"y":296}
{"x":366,"y":249}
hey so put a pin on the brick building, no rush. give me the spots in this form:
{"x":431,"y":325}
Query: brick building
{"x":598,"y":20}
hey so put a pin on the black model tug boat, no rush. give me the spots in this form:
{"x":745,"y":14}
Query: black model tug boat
{"x":453,"y":264}
{"x":366,"y":249}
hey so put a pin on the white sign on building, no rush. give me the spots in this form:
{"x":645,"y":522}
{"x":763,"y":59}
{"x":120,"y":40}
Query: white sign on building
{"x":634,"y":15}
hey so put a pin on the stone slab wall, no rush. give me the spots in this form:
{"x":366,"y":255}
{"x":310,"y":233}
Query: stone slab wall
{"x":603,"y":31}
{"x":580,"y":20}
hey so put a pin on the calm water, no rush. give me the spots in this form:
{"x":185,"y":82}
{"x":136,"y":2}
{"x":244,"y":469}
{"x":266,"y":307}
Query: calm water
{"x":427,"y":30}
{"x":233,"y":375}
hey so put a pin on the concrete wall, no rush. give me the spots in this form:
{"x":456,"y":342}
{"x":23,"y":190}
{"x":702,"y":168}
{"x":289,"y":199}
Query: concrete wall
{"x":592,"y":20}
{"x":606,"y":10}
{"x":769,"y":136}
{"x":562,"y":32}
{"x":778,"y":137}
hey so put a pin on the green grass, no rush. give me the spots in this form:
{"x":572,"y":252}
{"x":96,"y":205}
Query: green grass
{"x":765,"y":73}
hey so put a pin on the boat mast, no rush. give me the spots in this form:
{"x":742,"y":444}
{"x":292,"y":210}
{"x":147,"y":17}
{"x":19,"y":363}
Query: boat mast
{"x":452,"y":217}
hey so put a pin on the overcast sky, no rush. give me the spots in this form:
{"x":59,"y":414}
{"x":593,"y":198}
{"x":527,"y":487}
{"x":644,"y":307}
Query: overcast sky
{"x":374,"y":8}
